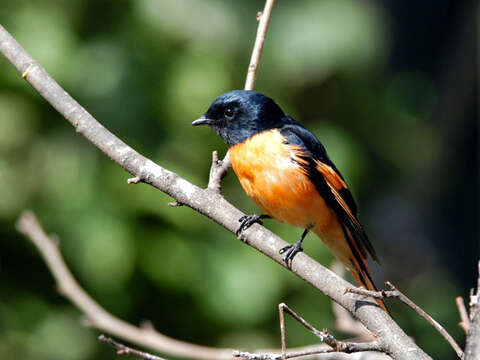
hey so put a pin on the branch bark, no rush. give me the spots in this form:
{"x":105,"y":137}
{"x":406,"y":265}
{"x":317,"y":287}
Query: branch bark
{"x":218,"y":171}
{"x":324,"y":336}
{"x":391,"y":337}
{"x":472,"y":348}
{"x":395,"y":293}
{"x":344,"y":321}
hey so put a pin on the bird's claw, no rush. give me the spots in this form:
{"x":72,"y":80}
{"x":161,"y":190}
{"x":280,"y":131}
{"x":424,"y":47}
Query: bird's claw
{"x":290,"y":251}
{"x":247,"y":221}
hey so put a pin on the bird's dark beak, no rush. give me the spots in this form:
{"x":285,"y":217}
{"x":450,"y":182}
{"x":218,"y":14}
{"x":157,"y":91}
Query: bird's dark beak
{"x":202,"y":121}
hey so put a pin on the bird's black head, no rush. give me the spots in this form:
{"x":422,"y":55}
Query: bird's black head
{"x":239,"y":114}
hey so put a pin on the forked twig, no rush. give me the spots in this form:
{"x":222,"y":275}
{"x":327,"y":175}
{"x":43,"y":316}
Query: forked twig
{"x":395,"y":293}
{"x":324,"y":336}
{"x":218,"y":171}
{"x":332,"y":346}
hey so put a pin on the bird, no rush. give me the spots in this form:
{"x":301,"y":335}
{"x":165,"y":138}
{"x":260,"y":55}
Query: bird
{"x":287,"y":172}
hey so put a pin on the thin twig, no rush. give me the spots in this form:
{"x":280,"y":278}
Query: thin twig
{"x":124,"y":350}
{"x":462,"y":312}
{"x":272,"y":356}
{"x":334,"y":347}
{"x":263,"y":19}
{"x":395,"y":293}
{"x":216,"y":207}
{"x":218,"y":171}
{"x":258,"y":47}
{"x":317,"y":354}
{"x":283,"y":334}
{"x":325,"y":336}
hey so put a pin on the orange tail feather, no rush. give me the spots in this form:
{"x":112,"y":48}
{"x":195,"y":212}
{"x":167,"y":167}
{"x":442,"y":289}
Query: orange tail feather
{"x":364,"y":279}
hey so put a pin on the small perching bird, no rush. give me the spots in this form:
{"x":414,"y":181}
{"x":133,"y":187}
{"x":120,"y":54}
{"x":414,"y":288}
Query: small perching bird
{"x":285,"y":169}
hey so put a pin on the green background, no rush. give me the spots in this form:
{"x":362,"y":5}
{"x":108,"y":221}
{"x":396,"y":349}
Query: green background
{"x":387,"y":86}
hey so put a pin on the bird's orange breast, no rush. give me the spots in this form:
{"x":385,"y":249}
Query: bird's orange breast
{"x":272,"y":174}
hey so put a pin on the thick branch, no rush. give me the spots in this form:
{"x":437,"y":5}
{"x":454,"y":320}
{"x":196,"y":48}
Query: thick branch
{"x":395,"y":293}
{"x":390,"y":336}
{"x":472,"y":348}
{"x":343,"y":319}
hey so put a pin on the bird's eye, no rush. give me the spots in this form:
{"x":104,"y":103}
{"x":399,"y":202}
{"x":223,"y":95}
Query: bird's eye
{"x":229,"y":113}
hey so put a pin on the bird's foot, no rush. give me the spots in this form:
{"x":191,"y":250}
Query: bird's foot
{"x":291,"y":250}
{"x":248,"y":220}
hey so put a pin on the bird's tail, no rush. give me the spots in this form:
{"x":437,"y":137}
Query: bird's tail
{"x":346,"y":249}
{"x":361,"y":273}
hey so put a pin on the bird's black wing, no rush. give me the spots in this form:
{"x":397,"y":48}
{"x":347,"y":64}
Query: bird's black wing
{"x":328,"y":182}
{"x":317,"y":150}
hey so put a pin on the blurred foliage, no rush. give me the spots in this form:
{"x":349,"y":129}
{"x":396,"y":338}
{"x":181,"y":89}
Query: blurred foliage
{"x":146,"y":69}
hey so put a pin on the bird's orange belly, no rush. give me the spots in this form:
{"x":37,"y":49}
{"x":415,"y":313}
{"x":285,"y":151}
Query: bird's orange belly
{"x":272,"y":175}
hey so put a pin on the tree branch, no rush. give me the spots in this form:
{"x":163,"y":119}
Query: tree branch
{"x":99,"y":318}
{"x":218,"y":170}
{"x":264,"y":21}
{"x":472,"y":348}
{"x":391,"y":337}
{"x":263,"y":18}
{"x":343,"y":319}
{"x":325,"y":354}
{"x":124,"y":350}
{"x":96,"y":315}
{"x":324,"y":336}
{"x":462,"y":312}
{"x":395,"y":293}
